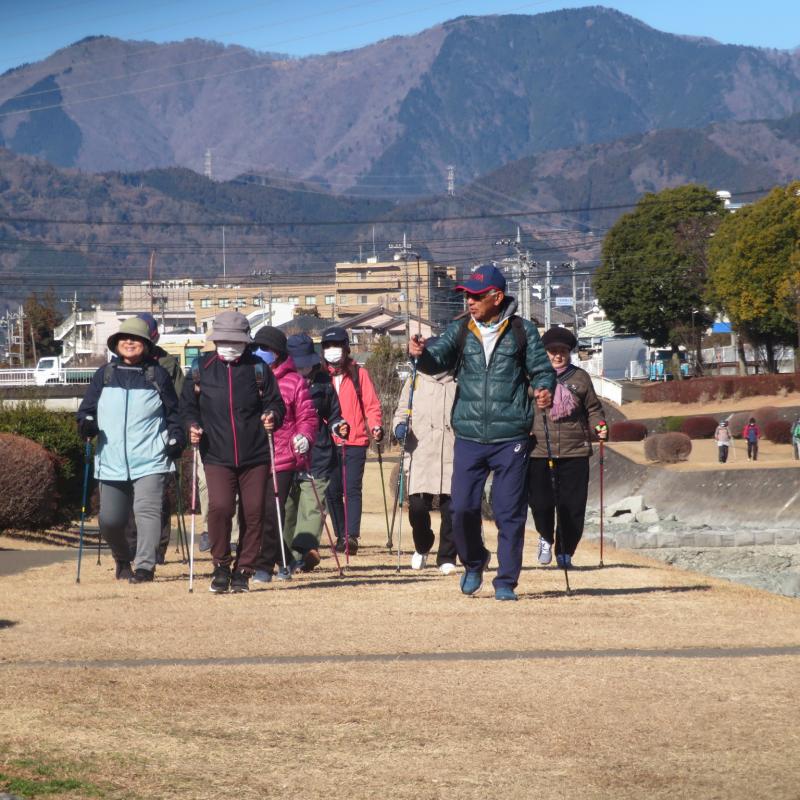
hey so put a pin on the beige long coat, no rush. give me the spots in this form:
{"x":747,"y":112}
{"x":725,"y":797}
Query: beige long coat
{"x":429,"y":445}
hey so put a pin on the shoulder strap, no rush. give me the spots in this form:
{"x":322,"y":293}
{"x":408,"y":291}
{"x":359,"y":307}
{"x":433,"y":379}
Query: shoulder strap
{"x":196,"y":374}
{"x":261,"y":376}
{"x":108,"y":372}
{"x":149,"y":375}
{"x":521,"y":337}
{"x":354,"y":376}
{"x":461,"y":340}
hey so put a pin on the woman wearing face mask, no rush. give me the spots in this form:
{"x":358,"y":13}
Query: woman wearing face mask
{"x":574,"y":419}
{"x":292,"y":442}
{"x":303,"y":522}
{"x":227,"y":406}
{"x":361,"y":409}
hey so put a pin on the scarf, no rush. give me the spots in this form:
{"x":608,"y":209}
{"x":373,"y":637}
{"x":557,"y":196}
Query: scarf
{"x":564,"y":402}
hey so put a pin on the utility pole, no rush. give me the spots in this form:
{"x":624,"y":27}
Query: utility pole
{"x":162,"y":305}
{"x":574,"y":264}
{"x":224,"y":268}
{"x":150,"y":270}
{"x":547,"y":294}
{"x":520,"y":265}
{"x":404,"y":251}
{"x":265,"y":273}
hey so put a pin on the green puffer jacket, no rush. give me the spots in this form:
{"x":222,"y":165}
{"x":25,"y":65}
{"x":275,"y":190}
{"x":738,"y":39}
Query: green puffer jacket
{"x":492,"y":403}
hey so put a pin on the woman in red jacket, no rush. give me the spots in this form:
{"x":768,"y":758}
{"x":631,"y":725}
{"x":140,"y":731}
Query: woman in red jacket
{"x":361,"y":409}
{"x":292,"y":441}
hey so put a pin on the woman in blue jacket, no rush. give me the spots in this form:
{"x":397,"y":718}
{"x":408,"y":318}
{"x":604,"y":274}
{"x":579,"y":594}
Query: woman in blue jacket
{"x":132,"y":409}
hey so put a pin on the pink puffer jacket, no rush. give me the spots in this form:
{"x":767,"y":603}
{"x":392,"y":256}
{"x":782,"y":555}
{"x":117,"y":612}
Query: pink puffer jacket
{"x":301,"y":417}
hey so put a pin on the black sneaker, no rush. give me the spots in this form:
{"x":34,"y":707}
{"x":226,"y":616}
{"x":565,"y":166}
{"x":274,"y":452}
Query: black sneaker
{"x":353,"y":545}
{"x":123,"y":571}
{"x":240,"y":582}
{"x":340,"y":545}
{"x":142,"y":576}
{"x":220,"y":580}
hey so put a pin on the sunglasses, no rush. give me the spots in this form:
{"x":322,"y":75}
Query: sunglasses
{"x":481,"y":296}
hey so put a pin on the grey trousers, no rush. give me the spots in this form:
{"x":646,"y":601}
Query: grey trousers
{"x":145,"y":495}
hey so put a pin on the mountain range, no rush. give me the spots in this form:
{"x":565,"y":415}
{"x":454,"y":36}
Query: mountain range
{"x":386,"y":120}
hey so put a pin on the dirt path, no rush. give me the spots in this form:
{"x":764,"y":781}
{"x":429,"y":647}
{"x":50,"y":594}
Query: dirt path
{"x":648,"y":681}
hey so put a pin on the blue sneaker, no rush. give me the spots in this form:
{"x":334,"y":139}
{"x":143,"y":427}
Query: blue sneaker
{"x":505,"y":593}
{"x":472,"y":579}
{"x":564,"y":561}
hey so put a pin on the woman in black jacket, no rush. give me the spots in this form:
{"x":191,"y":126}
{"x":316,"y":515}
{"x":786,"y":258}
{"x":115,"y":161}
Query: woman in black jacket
{"x":228,"y":406}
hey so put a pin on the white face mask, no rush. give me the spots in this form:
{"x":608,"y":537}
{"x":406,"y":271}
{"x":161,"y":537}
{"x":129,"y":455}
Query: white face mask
{"x":333,"y":355}
{"x":230,"y":351}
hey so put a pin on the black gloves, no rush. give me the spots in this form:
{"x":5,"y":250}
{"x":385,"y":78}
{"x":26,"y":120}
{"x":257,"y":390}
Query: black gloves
{"x":173,"y":449}
{"x":87,"y":428}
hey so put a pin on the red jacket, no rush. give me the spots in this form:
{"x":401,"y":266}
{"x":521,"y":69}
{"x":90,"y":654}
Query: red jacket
{"x":351,"y":408}
{"x":301,"y":416}
{"x":755,"y":427}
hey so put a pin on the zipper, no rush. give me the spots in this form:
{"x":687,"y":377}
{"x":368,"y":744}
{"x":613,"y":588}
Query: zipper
{"x":125,"y":435}
{"x":233,"y":424}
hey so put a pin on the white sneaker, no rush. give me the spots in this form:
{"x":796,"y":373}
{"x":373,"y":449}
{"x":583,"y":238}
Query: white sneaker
{"x":418,"y":560}
{"x":261,"y":576}
{"x":447,"y":568}
{"x":545,"y":551}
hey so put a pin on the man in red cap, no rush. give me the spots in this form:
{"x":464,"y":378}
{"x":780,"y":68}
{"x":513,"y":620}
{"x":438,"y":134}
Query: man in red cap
{"x":495,"y":356}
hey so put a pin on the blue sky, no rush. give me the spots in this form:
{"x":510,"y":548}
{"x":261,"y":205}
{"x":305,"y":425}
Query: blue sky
{"x":32,"y":29}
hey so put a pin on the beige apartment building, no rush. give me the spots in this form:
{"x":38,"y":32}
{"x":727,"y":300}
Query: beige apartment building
{"x":424,"y":291}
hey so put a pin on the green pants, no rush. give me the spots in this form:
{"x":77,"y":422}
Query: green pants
{"x":302,"y":525}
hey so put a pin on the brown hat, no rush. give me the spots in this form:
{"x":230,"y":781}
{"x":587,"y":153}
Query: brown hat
{"x":558,"y":335}
{"x":230,"y":326}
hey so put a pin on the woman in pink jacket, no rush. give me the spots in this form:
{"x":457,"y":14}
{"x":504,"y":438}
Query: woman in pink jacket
{"x":292,"y":441}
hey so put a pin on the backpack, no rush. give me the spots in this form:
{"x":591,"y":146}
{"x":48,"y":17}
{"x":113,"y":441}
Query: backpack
{"x":751,"y":433}
{"x":519,"y":334}
{"x":260,"y":370}
{"x":354,"y":376}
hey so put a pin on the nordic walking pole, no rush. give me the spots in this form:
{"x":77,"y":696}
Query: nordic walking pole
{"x":194,"y":514}
{"x":87,"y":454}
{"x":383,"y":489}
{"x":409,"y":409}
{"x":554,"y":481}
{"x":271,"y":441}
{"x":344,"y":504}
{"x":602,"y":462}
{"x":324,"y":517}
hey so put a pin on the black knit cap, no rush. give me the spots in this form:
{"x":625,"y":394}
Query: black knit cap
{"x":335,"y":335}
{"x":557,"y":335}
{"x":269,"y":338}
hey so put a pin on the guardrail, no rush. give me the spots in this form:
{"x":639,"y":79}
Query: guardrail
{"x":17,"y":377}
{"x":607,"y":389}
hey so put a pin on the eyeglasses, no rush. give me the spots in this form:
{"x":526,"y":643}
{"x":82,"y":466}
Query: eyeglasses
{"x":479,"y":297}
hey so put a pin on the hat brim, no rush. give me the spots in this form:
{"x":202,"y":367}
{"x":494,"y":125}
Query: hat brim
{"x":113,"y":341}
{"x":310,"y":360}
{"x":478,"y":289}
{"x":229,"y":336}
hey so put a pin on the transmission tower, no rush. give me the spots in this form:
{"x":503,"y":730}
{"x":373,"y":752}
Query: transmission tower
{"x":207,"y":171}
{"x":451,"y":180}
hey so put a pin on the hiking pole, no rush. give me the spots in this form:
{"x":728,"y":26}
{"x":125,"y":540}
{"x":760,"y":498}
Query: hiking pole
{"x":602,"y":462}
{"x":87,"y":454}
{"x":344,"y":505}
{"x":194,"y":514}
{"x":180,"y":543}
{"x":401,"y":490}
{"x":554,"y":482}
{"x":409,"y":408}
{"x":271,"y":441}
{"x":383,"y":488}
{"x":324,"y":517}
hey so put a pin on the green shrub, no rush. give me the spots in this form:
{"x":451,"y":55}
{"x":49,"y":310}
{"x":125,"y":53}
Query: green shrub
{"x":57,"y":433}
{"x":673,"y":424}
{"x":27,"y":483}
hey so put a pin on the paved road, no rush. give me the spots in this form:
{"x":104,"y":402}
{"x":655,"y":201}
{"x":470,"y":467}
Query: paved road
{"x":12,"y":561}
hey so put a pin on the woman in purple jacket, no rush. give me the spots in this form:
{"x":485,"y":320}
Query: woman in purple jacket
{"x":292,"y":441}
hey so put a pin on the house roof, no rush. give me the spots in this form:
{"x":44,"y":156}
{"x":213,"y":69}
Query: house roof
{"x":597,"y":330}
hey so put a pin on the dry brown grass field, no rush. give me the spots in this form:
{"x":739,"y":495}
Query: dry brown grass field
{"x":646,"y":682}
